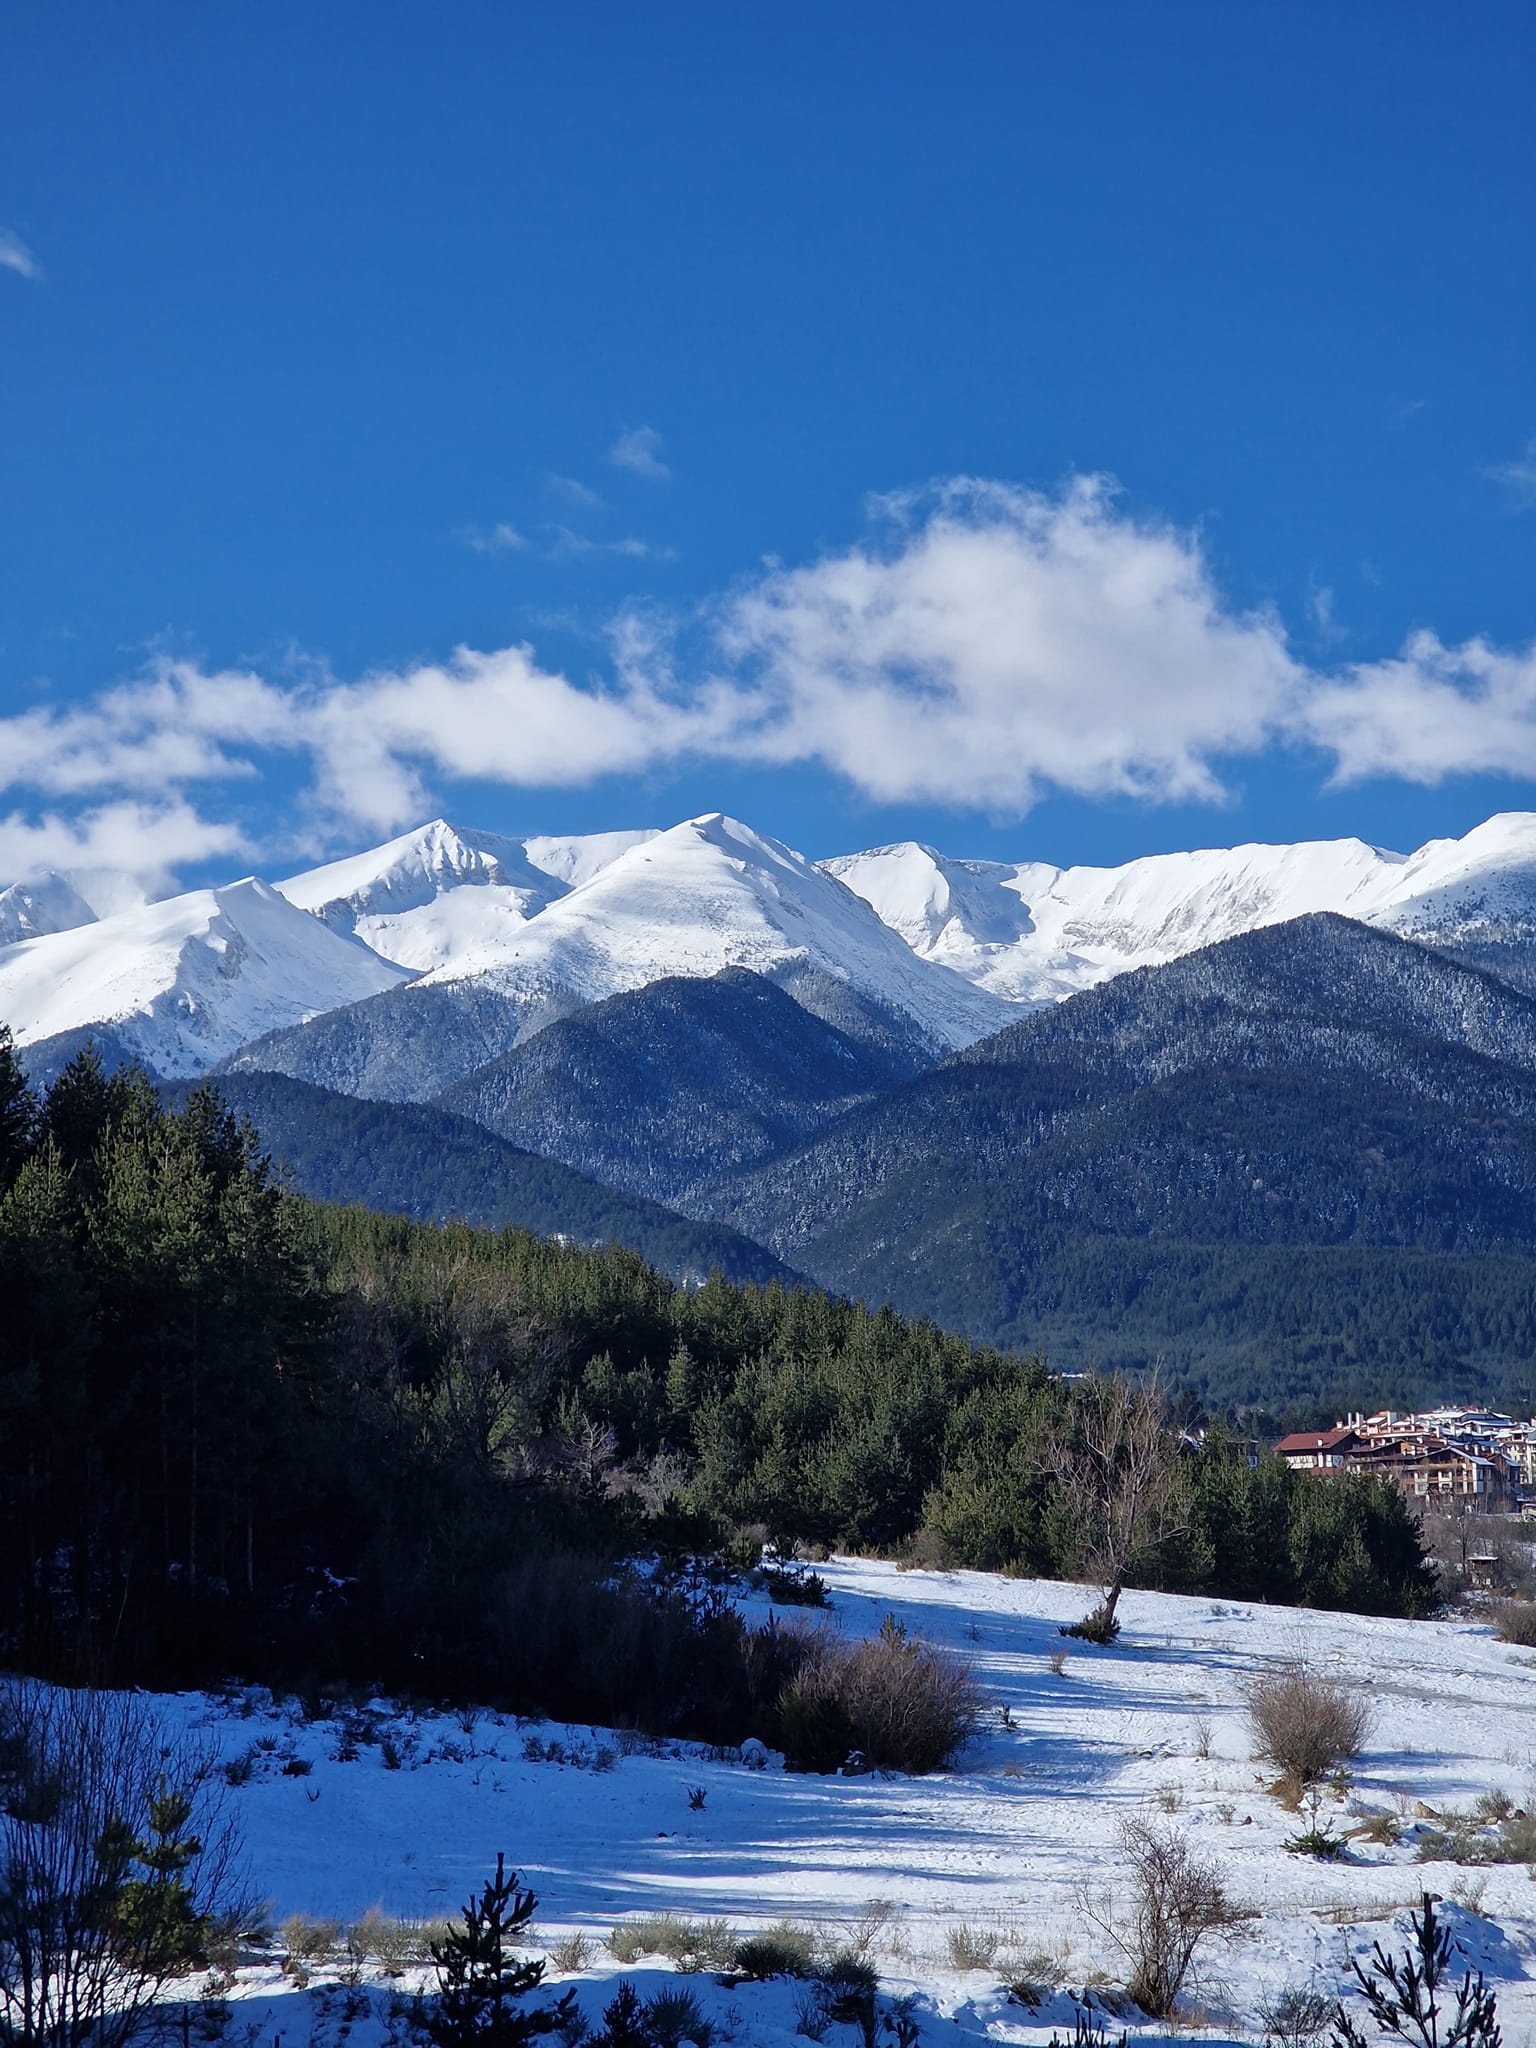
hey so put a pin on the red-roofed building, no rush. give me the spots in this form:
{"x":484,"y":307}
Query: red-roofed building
{"x":1319,"y":1450}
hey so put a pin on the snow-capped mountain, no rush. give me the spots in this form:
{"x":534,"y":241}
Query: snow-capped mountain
{"x":1033,"y":934}
{"x":524,"y":930}
{"x":440,"y":895}
{"x":184,"y":982}
{"x":708,"y":894}
{"x":42,"y":904}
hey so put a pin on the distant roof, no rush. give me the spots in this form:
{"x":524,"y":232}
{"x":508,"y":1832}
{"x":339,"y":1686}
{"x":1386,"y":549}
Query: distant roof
{"x":1317,"y":1439}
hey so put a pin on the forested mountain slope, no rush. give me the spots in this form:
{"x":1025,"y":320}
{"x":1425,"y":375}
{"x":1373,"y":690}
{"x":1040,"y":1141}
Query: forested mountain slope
{"x":1137,"y":1172}
{"x":678,"y":1081}
{"x":409,"y":1160}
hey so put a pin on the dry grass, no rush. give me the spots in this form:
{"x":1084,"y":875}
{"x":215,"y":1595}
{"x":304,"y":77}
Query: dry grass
{"x":690,"y":1944}
{"x":971,"y":1947}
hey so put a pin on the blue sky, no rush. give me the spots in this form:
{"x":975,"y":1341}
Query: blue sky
{"x":657,"y":342}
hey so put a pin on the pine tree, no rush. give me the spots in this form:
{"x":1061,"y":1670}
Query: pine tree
{"x":156,"y":1910}
{"x":479,"y":1982}
{"x":18,"y":1112}
{"x":1402,"y":1994}
{"x":624,"y":2021}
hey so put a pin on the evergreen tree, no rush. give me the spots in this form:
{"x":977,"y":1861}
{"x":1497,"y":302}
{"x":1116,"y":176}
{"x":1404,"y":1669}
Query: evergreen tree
{"x":624,"y":2021}
{"x":480,"y":1983}
{"x":18,"y":1112}
{"x":1403,"y":1994}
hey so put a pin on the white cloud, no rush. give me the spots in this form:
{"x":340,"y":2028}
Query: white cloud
{"x":1518,"y":477}
{"x":1430,"y":713}
{"x":578,"y":493}
{"x":1004,"y":644}
{"x":15,"y":255}
{"x":500,"y":539}
{"x":143,"y":841}
{"x":639,"y":449}
{"x":1325,"y":623}
{"x":984,"y":647}
{"x":569,"y":546}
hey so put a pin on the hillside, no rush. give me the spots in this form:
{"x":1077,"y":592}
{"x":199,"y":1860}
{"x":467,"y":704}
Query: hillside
{"x":995,"y":1857}
{"x":1134,"y":1173}
{"x":430,"y":1165}
{"x":678,"y":1081}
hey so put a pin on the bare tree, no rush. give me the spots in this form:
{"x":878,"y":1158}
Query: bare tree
{"x":1116,"y":1463}
{"x":118,"y":1858}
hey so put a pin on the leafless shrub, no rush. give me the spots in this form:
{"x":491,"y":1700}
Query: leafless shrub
{"x":876,"y":1922}
{"x":1205,"y":1737}
{"x":92,"y":1785}
{"x":1296,"y":2016}
{"x":1057,"y":1661}
{"x":1306,"y":1725}
{"x":906,"y":1705}
{"x":1514,"y":1621}
{"x":1177,"y":1905}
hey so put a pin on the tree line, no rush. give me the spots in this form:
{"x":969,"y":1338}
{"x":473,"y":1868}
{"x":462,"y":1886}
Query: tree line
{"x":241,"y":1432}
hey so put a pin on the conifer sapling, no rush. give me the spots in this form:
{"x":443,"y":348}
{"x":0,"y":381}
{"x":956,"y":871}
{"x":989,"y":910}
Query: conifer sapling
{"x":480,"y":1982}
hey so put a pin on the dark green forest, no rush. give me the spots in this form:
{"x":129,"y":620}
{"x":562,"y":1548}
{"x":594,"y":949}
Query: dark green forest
{"x":242,"y":1433}
{"x":412,"y":1159}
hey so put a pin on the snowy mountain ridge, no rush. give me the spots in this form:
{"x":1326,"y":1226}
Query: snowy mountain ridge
{"x":187,"y":981}
{"x":1033,"y":933}
{"x":549,"y":924}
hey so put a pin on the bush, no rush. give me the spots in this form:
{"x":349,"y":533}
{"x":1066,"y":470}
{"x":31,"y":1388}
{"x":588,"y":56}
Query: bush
{"x":847,"y":1984}
{"x":783,"y":1950}
{"x":1320,"y":1843}
{"x":1099,"y":1626}
{"x":972,"y":1948}
{"x":1178,"y":1903}
{"x":613,"y":1650}
{"x":1476,"y":1838}
{"x":1380,"y":1827}
{"x":1306,"y":1726}
{"x":903,"y":1704}
{"x":396,"y":1945}
{"x":309,"y":1941}
{"x":672,"y":2017}
{"x":1514,"y":1621}
{"x":690,"y":1944}
{"x":786,"y":1586}
{"x":1295,"y":2017}
{"x":571,"y":1953}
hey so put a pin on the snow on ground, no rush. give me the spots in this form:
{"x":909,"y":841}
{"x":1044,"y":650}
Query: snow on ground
{"x":1007,"y":1842}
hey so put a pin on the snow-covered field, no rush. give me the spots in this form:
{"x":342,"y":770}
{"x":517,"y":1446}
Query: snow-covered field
{"x":1007,"y":1844}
